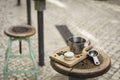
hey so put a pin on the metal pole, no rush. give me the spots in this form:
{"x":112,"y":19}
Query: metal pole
{"x":20,"y":47}
{"x":28,"y":12}
{"x":40,"y":37}
{"x":18,"y":2}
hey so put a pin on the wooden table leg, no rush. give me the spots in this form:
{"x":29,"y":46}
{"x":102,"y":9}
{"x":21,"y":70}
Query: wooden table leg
{"x":71,"y":78}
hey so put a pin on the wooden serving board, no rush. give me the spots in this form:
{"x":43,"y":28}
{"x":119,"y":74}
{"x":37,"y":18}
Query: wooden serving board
{"x":59,"y":57}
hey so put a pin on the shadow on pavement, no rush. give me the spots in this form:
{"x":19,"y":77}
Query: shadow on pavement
{"x":64,"y":31}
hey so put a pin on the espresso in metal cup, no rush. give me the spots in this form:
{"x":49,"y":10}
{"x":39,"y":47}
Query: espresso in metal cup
{"x":77,"y":44}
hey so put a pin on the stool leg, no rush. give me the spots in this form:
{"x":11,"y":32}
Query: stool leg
{"x":33,"y":57}
{"x":20,"y":47}
{"x":36,"y":76}
{"x":6,"y":67}
{"x":7,"y":59}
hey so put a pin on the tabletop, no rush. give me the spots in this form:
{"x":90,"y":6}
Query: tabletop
{"x":85,"y":68}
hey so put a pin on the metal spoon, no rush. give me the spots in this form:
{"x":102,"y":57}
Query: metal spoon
{"x":94,"y":55}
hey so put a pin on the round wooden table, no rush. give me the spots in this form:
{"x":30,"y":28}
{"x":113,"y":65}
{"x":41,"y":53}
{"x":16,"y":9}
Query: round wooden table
{"x":84,"y":69}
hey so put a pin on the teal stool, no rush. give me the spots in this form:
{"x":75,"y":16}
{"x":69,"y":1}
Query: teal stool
{"x":19,"y":33}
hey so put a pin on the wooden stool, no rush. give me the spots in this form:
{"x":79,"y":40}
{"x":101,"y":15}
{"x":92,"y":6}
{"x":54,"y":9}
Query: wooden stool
{"x":84,"y":69}
{"x":19,"y":33}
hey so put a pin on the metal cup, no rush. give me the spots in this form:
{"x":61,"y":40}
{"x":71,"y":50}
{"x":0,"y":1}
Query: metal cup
{"x":77,"y":44}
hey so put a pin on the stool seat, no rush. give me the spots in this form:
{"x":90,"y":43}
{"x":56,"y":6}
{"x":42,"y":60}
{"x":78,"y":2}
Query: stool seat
{"x":20,"y":31}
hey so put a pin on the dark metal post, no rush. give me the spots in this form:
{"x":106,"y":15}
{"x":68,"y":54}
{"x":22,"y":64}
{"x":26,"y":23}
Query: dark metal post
{"x":18,"y":2}
{"x":20,"y":47}
{"x":40,"y":7}
{"x":28,"y":12}
{"x":40,"y":37}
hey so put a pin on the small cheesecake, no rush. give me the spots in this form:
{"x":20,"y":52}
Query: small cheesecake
{"x":69,"y":55}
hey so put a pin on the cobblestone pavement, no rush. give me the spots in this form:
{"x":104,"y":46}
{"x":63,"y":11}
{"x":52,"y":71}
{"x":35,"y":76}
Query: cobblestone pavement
{"x":93,"y":19}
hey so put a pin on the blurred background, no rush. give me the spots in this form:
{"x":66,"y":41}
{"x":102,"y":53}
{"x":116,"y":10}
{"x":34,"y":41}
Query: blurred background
{"x":96,"y":20}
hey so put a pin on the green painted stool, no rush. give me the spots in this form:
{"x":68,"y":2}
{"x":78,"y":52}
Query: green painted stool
{"x":19,"y":33}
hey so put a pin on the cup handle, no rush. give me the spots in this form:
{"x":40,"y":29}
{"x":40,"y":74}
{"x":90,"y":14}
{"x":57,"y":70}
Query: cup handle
{"x":87,"y":43}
